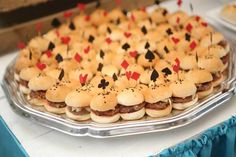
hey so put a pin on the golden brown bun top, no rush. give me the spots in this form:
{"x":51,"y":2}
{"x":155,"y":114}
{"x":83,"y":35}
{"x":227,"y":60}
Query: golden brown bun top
{"x":41,"y":82}
{"x":103,"y":102}
{"x":183,"y":88}
{"x":199,"y":76}
{"x":157,"y":93}
{"x":211,"y":64}
{"x":57,"y":93}
{"x":130,"y":97}
{"x":78,"y":98}
{"x":28,"y":73}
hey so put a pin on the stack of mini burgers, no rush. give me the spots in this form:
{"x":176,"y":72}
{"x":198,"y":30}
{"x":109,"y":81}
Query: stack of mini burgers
{"x":115,"y":65}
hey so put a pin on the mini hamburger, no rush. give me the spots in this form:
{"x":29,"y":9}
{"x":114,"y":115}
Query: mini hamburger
{"x":158,"y":103}
{"x":104,"y":108}
{"x":38,"y":86}
{"x":132,"y":105}
{"x":56,"y":98}
{"x":78,"y":102}
{"x":25,"y":75}
{"x":203,"y":81}
{"x":183,"y":94}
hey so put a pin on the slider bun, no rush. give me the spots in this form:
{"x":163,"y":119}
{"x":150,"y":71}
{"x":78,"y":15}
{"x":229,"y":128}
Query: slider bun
{"x":24,"y":89}
{"x":199,"y":76}
{"x":133,"y":115}
{"x":216,"y":51}
{"x":144,"y":62}
{"x":157,"y":93}
{"x":104,"y":119}
{"x":78,"y":98}
{"x":55,"y":73}
{"x":57,"y":93}
{"x":130,"y":97}
{"x":68,"y":65}
{"x":75,"y":74}
{"x":145,"y":76}
{"x":219,"y":81}
{"x":172,"y":18}
{"x":183,"y":88}
{"x":54,"y":109}
{"x":212,"y":64}
{"x":188,"y":62}
{"x":41,"y":82}
{"x":115,"y":14}
{"x":97,"y":17}
{"x":109,"y":70}
{"x":228,"y":13}
{"x":77,"y":117}
{"x":157,"y":15}
{"x":183,"y":106}
{"x":203,"y":94}
{"x":103,"y":102}
{"x":139,"y":14}
{"x":216,"y":38}
{"x":37,"y":102}
{"x":159,"y":113}
{"x":39,"y":43}
{"x":28,"y":73}
{"x":23,"y":62}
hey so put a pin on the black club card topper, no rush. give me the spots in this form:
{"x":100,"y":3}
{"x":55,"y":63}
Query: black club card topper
{"x":149,"y":56}
{"x":154,"y":75}
{"x":187,"y":37}
{"x":91,"y":39}
{"x":103,"y":84}
{"x":169,"y":31}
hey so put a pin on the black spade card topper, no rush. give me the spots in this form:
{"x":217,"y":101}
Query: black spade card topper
{"x":103,"y":84}
{"x":102,"y":54}
{"x":59,"y":58}
{"x":149,"y":56}
{"x":30,"y":55}
{"x":144,"y":30}
{"x":166,"y":49}
{"x":114,"y":77}
{"x":72,"y":26}
{"x":126,"y":46}
{"x":91,"y":39}
{"x":166,"y":71}
{"x":55,"y":23}
{"x":62,"y":73}
{"x":154,"y":75}
{"x":51,"y":46}
{"x":147,"y":45}
{"x":109,"y":30}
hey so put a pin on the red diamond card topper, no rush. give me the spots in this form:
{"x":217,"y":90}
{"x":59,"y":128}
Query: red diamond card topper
{"x":108,"y":41}
{"x":179,"y":3}
{"x":204,"y":24}
{"x":127,"y":34}
{"x":133,"y":54}
{"x":81,"y":6}
{"x":197,"y":18}
{"x":118,"y":2}
{"x":77,"y":57}
{"x":175,"y":40}
{"x":65,"y":40}
{"x":83,"y":78}
{"x":193,"y":45}
{"x":41,"y":66}
{"x":67,"y":14}
{"x":135,"y":76}
{"x":86,"y":50}
{"x":176,"y":66}
{"x":189,"y":27}
{"x":128,"y":74}
{"x":21,"y":45}
{"x":38,"y":27}
{"x":87,"y":18}
{"x":125,"y":64}
{"x":48,"y":53}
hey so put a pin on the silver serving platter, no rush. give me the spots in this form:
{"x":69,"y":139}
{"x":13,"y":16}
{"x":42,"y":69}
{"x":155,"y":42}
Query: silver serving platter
{"x":121,"y":128}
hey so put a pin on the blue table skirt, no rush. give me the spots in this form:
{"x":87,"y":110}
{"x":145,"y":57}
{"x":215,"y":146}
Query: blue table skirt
{"x":219,"y":141}
{"x":9,"y":145}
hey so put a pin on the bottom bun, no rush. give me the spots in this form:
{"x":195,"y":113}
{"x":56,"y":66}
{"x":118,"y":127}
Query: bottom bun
{"x":205,"y":93}
{"x":16,"y":77}
{"x":37,"y":102}
{"x":225,"y":66}
{"x":77,"y":117}
{"x":24,"y":89}
{"x":218,"y":82}
{"x":54,"y":109}
{"x":133,"y":115}
{"x":104,"y":119}
{"x":182,"y":106}
{"x":159,"y":113}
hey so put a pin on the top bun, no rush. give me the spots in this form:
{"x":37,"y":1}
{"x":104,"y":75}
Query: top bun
{"x":157,"y":93}
{"x":130,"y":97}
{"x":211,"y":64}
{"x":41,"y":82}
{"x":103,"y":102}
{"x":188,"y":62}
{"x":183,"y":88}
{"x":78,"y":98}
{"x":199,"y":76}
{"x":208,"y":40}
{"x":28,"y":73}
{"x":57,"y":93}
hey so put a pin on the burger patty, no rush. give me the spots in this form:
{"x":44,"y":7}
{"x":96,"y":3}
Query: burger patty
{"x":204,"y":86}
{"x":108,"y":113}
{"x":223,"y":43}
{"x":158,"y":105}
{"x":24,"y":83}
{"x":130,"y":109}
{"x":57,"y":104}
{"x":216,"y":76}
{"x":182,"y":100}
{"x":225,"y":59}
{"x":37,"y":94}
{"x":78,"y":110}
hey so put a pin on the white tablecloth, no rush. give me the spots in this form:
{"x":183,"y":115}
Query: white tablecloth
{"x":43,"y":142}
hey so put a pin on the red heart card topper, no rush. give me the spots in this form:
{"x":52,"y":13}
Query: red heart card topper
{"x":67,"y":14}
{"x":175,"y":40}
{"x":189,"y":27}
{"x":87,"y":49}
{"x":108,"y":41}
{"x":21,"y":45}
{"x":81,"y":6}
{"x":125,"y":64}
{"x":83,"y":78}
{"x":65,"y":40}
{"x":41,"y":66}
{"x":135,"y":76}
{"x":77,"y":57}
{"x":179,"y":3}
{"x":133,"y":54}
{"x":197,"y":18}
{"x":176,"y":66}
{"x":193,"y":45}
{"x":127,"y":34}
{"x":204,"y":24}
{"x":128,"y":74}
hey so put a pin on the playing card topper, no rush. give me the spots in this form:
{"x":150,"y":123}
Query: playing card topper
{"x":83,"y":79}
{"x":103,"y":84}
{"x":154,"y":75}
